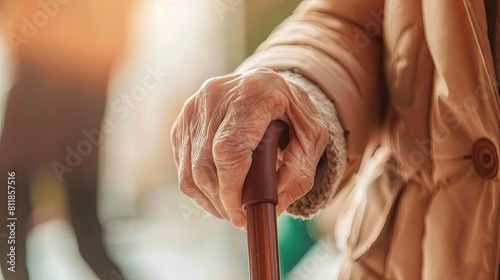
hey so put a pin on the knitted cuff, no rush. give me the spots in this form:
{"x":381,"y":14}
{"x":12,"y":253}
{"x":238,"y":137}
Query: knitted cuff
{"x":332,"y":165}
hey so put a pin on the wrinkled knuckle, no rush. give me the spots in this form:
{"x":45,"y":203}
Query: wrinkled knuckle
{"x":263,"y":78}
{"x":259,"y":71}
{"x":197,"y":164}
{"x":222,"y":147}
{"x":251,"y":88}
{"x":204,"y":173}
{"x":240,"y":106}
{"x":218,"y":147}
{"x":229,"y":138}
{"x":249,"y":114}
{"x":188,"y":107}
{"x":210,"y":86}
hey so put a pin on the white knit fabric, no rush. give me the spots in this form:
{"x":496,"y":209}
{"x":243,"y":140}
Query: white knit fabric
{"x":332,"y":166}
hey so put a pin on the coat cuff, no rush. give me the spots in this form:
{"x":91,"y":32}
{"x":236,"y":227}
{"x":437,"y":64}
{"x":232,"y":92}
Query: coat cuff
{"x":332,"y":164}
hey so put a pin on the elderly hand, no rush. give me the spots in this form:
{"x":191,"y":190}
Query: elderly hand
{"x":219,"y":127}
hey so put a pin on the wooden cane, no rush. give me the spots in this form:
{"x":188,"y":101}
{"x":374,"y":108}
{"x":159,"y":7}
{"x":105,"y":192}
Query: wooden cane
{"x":260,"y":198}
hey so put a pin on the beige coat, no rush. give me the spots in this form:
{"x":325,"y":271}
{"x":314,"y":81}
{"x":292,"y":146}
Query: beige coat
{"x":421,"y":85}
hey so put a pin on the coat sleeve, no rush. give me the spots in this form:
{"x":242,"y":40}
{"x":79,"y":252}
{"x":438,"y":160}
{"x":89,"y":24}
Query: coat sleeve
{"x":336,"y":45}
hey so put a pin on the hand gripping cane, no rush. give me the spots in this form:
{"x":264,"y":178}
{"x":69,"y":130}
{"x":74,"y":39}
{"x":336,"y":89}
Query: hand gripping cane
{"x":260,"y":198}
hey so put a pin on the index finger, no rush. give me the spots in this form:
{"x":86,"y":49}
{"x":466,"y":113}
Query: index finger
{"x":234,"y":142}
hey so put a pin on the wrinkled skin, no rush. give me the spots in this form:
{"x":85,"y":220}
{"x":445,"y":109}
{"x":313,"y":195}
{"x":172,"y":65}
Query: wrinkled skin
{"x":219,"y":127}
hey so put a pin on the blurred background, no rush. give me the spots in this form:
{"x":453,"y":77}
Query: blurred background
{"x":151,"y":230}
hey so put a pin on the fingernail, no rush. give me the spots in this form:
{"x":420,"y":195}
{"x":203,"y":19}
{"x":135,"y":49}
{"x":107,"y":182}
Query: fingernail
{"x":242,"y":229}
{"x":237,"y":218}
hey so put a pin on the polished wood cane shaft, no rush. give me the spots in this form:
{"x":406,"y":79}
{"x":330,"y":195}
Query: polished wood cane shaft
{"x":260,"y":198}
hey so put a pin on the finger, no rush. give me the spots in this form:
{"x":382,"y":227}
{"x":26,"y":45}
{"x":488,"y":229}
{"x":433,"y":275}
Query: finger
{"x":179,"y":135}
{"x":294,"y":177}
{"x":174,"y":140}
{"x":231,"y":178}
{"x":186,"y":182}
{"x":205,"y":178}
{"x":202,"y":132}
{"x":189,"y":188}
{"x":255,"y":103}
{"x":309,"y":138}
{"x":234,"y":142}
{"x":196,"y":170}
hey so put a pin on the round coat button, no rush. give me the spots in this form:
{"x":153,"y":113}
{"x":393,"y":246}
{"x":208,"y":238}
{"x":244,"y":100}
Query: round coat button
{"x":485,"y":158}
